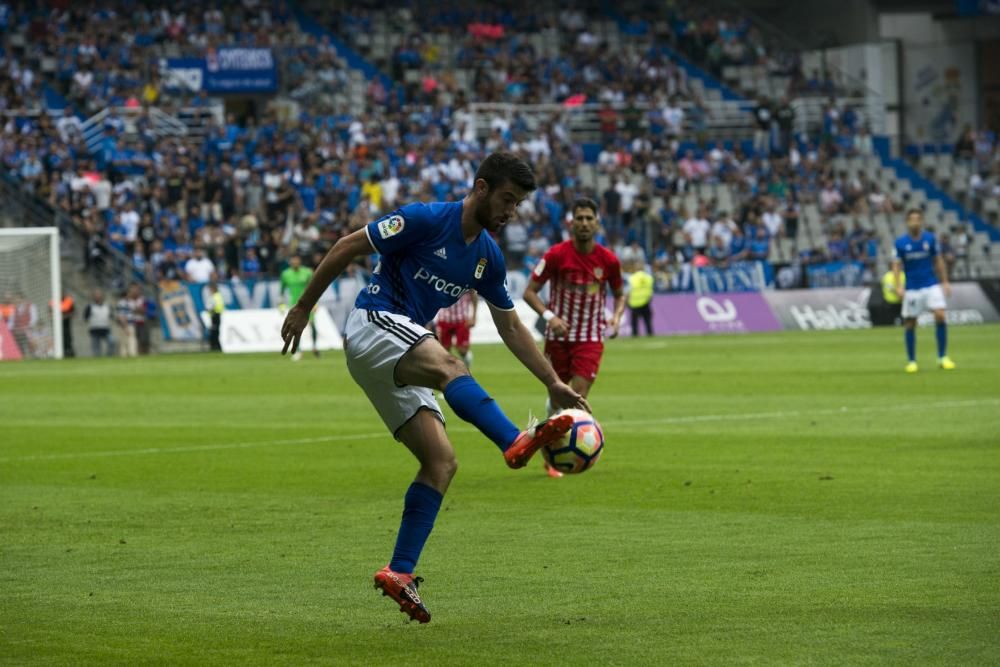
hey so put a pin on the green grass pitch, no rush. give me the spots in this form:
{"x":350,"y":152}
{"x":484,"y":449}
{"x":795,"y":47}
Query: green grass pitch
{"x":785,"y":498}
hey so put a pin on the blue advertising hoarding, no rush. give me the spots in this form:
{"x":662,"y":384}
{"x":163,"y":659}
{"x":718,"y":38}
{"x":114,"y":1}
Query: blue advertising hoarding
{"x":227,"y":70}
{"x":836,"y":274}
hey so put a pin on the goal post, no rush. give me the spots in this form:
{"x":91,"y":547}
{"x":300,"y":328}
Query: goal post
{"x":31,"y":290}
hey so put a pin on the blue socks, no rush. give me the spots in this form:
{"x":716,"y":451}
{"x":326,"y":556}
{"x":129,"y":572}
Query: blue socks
{"x":420,"y":508}
{"x":471,"y":403}
{"x":941,"y":329}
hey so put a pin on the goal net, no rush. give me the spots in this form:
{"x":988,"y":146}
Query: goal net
{"x":30,"y":294}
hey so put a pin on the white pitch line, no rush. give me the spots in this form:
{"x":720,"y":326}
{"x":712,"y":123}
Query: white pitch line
{"x":690,"y":419}
{"x":192,"y":448}
{"x":784,"y":414}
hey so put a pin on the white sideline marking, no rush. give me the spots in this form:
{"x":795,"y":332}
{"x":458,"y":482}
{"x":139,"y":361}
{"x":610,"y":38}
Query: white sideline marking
{"x":784,"y":414}
{"x":691,"y":419}
{"x":192,"y":448}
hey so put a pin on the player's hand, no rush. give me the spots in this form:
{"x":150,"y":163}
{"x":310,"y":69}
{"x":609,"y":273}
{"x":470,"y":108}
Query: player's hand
{"x":291,"y":331}
{"x":563,"y":396}
{"x":616,"y":325}
{"x":559,"y":327}
{"x":946,"y":288}
{"x":900,"y":291}
{"x":471,"y":322}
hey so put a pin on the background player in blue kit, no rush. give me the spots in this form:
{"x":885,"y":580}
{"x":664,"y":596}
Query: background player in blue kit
{"x":431,"y":254}
{"x":916,"y":253}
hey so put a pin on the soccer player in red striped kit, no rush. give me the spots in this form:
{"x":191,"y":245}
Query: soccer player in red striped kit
{"x":580,"y":272}
{"x":454,"y":325}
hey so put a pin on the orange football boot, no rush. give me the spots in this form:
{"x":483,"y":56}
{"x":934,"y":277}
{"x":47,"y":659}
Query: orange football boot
{"x":535,"y":437}
{"x":403,"y":589}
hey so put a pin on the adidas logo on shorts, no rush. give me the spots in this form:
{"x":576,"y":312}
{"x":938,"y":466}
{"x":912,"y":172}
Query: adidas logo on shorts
{"x":440,"y":252}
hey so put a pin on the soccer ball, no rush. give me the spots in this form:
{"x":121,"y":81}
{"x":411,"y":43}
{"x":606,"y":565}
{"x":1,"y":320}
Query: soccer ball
{"x":580,"y":448}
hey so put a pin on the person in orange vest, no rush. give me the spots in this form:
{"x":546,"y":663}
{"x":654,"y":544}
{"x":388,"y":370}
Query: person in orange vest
{"x":68,"y":307}
{"x":7,"y":306}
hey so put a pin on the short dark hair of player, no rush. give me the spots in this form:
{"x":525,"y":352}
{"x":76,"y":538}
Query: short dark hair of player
{"x":914,"y":211}
{"x":584,"y":202}
{"x":500,"y":168}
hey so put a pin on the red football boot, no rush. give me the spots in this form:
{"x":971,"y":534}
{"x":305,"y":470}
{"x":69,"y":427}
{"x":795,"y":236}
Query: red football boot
{"x":403,"y":589}
{"x":535,"y":437}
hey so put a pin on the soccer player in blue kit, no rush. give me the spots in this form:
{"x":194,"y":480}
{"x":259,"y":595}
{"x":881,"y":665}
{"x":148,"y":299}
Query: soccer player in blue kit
{"x":431,"y":254}
{"x":916,"y":254}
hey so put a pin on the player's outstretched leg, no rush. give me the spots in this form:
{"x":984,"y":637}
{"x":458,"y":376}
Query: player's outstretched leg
{"x":910,"y":335}
{"x":429,"y":365}
{"x":423,"y":435}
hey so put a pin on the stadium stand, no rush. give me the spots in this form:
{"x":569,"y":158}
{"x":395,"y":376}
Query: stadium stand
{"x":627,"y":110}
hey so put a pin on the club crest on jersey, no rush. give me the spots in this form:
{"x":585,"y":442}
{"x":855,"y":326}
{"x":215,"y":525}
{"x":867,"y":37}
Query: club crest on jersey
{"x":598,"y":273}
{"x":391,"y":226}
{"x":480,"y":268}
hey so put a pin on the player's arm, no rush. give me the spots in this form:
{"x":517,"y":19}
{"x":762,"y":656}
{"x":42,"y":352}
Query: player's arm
{"x":558,"y":325}
{"x":897,"y":266}
{"x":616,"y":317}
{"x":340,"y":255}
{"x":547,"y":268}
{"x":520,"y":342}
{"x":617,"y":285}
{"x":942,"y":273}
{"x":474,"y":297}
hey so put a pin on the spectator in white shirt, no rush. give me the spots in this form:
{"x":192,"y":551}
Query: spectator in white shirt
{"x":724,"y":228}
{"x":633,"y":254}
{"x":773,"y":222}
{"x":628,"y":191}
{"x":607,"y":160}
{"x":69,"y":126}
{"x":538,"y":244}
{"x":516,"y":236}
{"x":696,"y":230}
{"x":673,"y":117}
{"x":390,"y":193}
{"x":129,"y":219}
{"x":830,"y":198}
{"x":199,"y":269}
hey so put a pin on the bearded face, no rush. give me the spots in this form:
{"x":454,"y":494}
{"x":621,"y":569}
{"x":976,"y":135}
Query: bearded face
{"x":497,"y":206}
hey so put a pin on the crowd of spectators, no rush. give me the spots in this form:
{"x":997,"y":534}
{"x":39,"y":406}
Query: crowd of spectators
{"x":255,"y":192}
{"x":513,"y":53}
{"x":525,"y":54}
{"x":979,"y":153}
{"x":259,"y":188}
{"x":109,"y":55}
{"x":716,"y":38}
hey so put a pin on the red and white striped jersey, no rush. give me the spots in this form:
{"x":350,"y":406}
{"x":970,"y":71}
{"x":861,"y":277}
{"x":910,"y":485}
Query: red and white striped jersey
{"x":579,"y":286}
{"x":459,"y":312}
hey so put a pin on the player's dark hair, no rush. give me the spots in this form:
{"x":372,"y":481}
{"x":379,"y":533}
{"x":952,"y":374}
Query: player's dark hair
{"x":914,"y":211}
{"x":584,"y":202}
{"x":500,"y":168}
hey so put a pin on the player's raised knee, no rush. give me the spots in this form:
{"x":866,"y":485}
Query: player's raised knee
{"x":450,"y":367}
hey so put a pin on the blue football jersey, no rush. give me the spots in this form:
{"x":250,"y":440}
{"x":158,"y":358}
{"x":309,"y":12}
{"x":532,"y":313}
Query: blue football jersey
{"x":425,"y":264}
{"x":917,"y":256}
